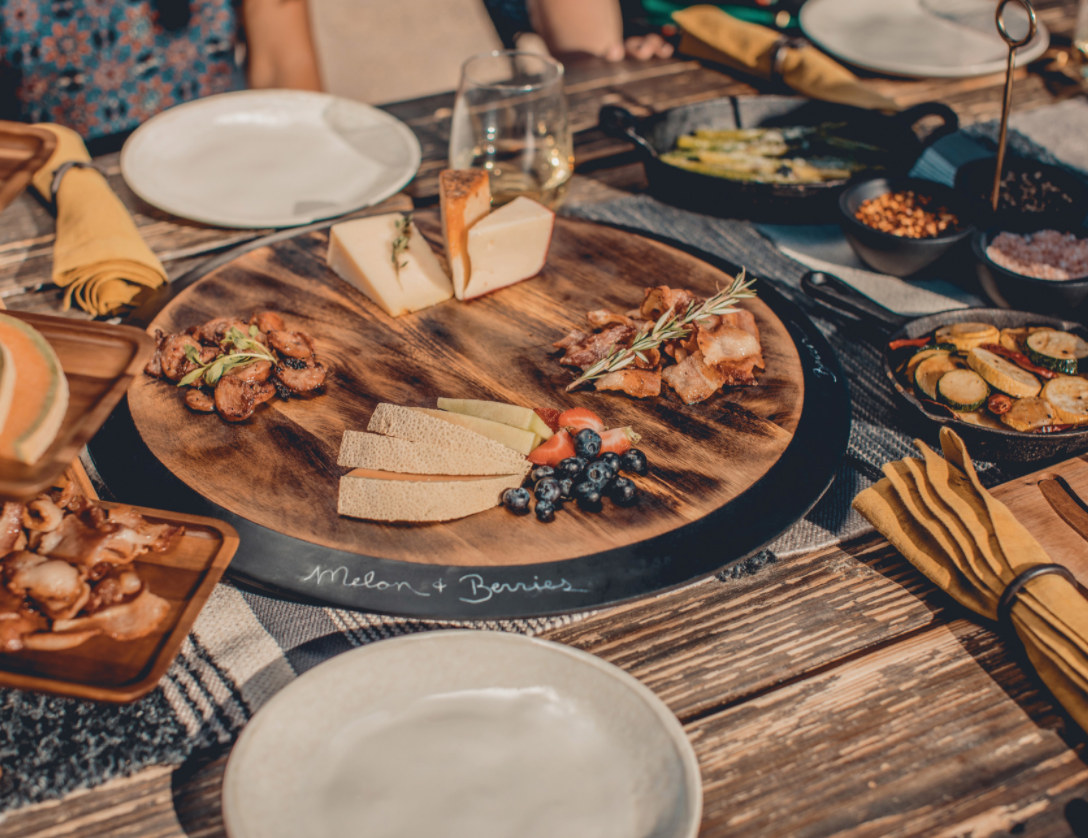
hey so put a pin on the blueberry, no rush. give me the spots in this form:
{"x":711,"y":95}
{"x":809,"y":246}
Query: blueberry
{"x":545,"y":511}
{"x":571,"y":467}
{"x":516,"y":500}
{"x":612,"y":460}
{"x":590,"y":501}
{"x":623,"y":491}
{"x":587,"y":443}
{"x":540,"y":472}
{"x":588,"y":490}
{"x":548,"y":490}
{"x":599,"y":473}
{"x":635,"y":462}
{"x":566,"y":488}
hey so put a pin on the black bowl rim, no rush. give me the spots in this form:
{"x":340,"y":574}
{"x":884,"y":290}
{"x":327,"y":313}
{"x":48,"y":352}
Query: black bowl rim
{"x":951,"y":238}
{"x":980,"y":254}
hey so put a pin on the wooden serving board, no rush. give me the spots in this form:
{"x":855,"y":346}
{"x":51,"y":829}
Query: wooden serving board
{"x":102,"y":669}
{"x":278,"y":470}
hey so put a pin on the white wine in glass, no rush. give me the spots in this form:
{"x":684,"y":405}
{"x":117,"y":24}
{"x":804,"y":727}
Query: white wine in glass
{"x":510,"y":119}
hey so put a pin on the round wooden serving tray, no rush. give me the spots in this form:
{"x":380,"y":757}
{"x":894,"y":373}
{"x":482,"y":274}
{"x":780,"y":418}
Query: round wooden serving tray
{"x":727,"y":476}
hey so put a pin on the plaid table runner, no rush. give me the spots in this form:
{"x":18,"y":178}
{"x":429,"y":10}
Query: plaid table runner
{"x":245,"y":646}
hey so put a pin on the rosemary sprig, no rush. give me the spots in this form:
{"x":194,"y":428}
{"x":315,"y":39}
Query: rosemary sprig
{"x":249,"y":351}
{"x":400,"y":243}
{"x":669,"y":326}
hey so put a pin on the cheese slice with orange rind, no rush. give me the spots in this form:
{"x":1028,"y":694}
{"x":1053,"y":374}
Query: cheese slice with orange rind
{"x":40,"y":398}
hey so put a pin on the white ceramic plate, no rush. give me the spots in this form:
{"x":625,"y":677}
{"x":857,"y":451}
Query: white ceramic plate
{"x":920,"y":38}
{"x":269,"y":158}
{"x":463,"y":734}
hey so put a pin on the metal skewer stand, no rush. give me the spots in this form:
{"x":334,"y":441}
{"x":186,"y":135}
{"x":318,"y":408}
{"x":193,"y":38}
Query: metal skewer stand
{"x":1014,"y":45}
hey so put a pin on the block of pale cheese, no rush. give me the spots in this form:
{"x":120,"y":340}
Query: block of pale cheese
{"x":464,"y":197}
{"x":509,"y":245}
{"x":517,"y":439}
{"x":362,"y":253}
{"x":469,"y":454}
{"x":385,"y":496}
{"x":415,"y":425}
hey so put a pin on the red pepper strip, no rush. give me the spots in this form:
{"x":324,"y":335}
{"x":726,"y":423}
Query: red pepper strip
{"x":1020,"y":360}
{"x":1052,"y":429}
{"x":899,"y":344}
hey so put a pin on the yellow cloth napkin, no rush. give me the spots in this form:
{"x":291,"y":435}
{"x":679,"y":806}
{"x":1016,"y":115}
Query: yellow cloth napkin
{"x":937,"y":514}
{"x":98,"y":256}
{"x":711,"y":34}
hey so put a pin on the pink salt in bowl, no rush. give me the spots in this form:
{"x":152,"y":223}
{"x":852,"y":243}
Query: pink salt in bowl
{"x":1010,"y":289}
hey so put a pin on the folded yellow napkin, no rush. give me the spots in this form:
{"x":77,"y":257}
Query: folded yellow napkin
{"x":98,"y":256}
{"x":711,"y":34}
{"x":937,"y":514}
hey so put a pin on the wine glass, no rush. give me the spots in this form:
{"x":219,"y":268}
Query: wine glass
{"x":510,"y":118}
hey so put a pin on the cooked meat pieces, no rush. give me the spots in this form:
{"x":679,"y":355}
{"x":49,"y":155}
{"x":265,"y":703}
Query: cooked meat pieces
{"x":725,"y":343}
{"x":292,"y":344}
{"x":17,"y":621}
{"x":301,"y":381}
{"x":54,"y":584}
{"x":120,"y":584}
{"x":173,"y":360}
{"x":662,"y":298}
{"x":267,"y":321}
{"x":692,"y":379}
{"x":213,"y":332}
{"x":257,"y":372}
{"x":234,"y":399}
{"x":11,"y":527}
{"x":603,"y":317}
{"x":583,"y":350}
{"x":127,"y":621}
{"x":638,"y":383}
{"x":199,"y":401}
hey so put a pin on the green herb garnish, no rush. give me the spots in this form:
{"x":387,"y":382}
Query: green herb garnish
{"x":400,"y":243}
{"x":247,"y":351}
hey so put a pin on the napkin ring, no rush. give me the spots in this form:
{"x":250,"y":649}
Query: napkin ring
{"x":1012,"y":590}
{"x":61,"y":171}
{"x":779,"y":55}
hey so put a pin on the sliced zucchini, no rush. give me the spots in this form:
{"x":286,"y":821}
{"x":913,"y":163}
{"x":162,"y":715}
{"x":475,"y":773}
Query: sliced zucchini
{"x":983,"y":418}
{"x":1014,"y":339}
{"x":1029,"y":414}
{"x":962,"y":390}
{"x":1058,"y":351}
{"x":921,"y":355}
{"x":967,"y":336}
{"x":1002,"y":374}
{"x":929,"y":372}
{"x":1069,"y":398}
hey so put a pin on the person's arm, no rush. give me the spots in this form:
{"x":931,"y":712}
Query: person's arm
{"x":593,"y":26}
{"x":279,"y":46}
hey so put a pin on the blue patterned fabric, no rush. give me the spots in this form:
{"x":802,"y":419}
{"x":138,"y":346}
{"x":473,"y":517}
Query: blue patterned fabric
{"x":102,"y":67}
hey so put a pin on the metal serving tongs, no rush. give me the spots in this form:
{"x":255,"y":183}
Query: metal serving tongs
{"x":1014,"y":45}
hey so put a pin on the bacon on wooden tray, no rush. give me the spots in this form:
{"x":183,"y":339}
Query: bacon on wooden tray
{"x":66,"y":572}
{"x":720,"y":351}
{"x":291,"y":368}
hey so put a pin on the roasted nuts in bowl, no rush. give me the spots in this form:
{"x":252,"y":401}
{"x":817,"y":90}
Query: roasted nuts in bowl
{"x":898,"y":226}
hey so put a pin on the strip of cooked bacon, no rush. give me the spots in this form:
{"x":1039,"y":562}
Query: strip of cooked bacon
{"x":589,"y":350}
{"x":638,"y":383}
{"x":11,"y":526}
{"x":661,"y":298}
{"x":126,"y":621}
{"x":603,"y":317}
{"x":692,"y":379}
{"x":727,"y":344}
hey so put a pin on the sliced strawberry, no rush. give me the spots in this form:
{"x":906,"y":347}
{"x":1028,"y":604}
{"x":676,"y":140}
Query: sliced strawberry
{"x":580,"y":418}
{"x":550,"y":453}
{"x":618,"y":440}
{"x":549,"y":416}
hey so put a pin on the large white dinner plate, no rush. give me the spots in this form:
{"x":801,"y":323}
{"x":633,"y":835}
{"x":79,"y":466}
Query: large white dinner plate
{"x":922,"y":38}
{"x":269,"y":158}
{"x":463,"y":734}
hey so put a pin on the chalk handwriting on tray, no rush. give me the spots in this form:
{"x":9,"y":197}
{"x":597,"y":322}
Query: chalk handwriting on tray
{"x":474,"y":589}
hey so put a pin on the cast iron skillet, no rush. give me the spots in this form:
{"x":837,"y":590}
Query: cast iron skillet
{"x":772,"y":202}
{"x":989,"y":444}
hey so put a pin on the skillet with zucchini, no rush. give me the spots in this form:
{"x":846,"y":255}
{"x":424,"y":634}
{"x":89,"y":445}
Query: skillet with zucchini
{"x":1030,"y":379}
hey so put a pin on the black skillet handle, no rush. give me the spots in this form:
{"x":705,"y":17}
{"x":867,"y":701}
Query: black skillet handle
{"x":836,"y":294}
{"x":621,"y":124}
{"x":910,"y":117}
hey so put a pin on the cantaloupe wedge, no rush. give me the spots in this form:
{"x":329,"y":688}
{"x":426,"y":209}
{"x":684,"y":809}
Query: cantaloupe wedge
{"x":7,"y":383}
{"x":41,"y":392}
{"x":384,"y":496}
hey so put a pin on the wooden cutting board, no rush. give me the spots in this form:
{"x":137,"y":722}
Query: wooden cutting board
{"x":278,"y":470}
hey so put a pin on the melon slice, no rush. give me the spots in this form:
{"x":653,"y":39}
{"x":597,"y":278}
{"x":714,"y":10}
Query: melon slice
{"x":507,"y":414}
{"x":40,"y":399}
{"x":7,"y":383}
{"x":384,"y":496}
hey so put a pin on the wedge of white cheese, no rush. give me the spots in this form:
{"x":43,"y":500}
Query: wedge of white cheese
{"x":385,"y":496}
{"x":420,"y":426}
{"x":361,"y":253}
{"x":464,"y":197}
{"x":519,"y":440}
{"x":509,"y":245}
{"x":468,"y":455}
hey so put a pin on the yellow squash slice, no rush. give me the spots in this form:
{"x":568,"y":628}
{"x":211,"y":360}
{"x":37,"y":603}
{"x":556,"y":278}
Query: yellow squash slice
{"x":1068,"y":396}
{"x":1029,"y":414}
{"x":967,"y":336}
{"x":1002,"y":374}
{"x":929,"y":372}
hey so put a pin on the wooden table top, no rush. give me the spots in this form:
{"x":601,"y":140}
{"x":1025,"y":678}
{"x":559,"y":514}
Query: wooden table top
{"x":837,"y":693}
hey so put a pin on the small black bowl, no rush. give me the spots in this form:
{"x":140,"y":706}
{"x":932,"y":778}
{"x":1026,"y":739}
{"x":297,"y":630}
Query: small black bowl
{"x":1038,"y":195}
{"x":1027,"y":293}
{"x":899,"y":255}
